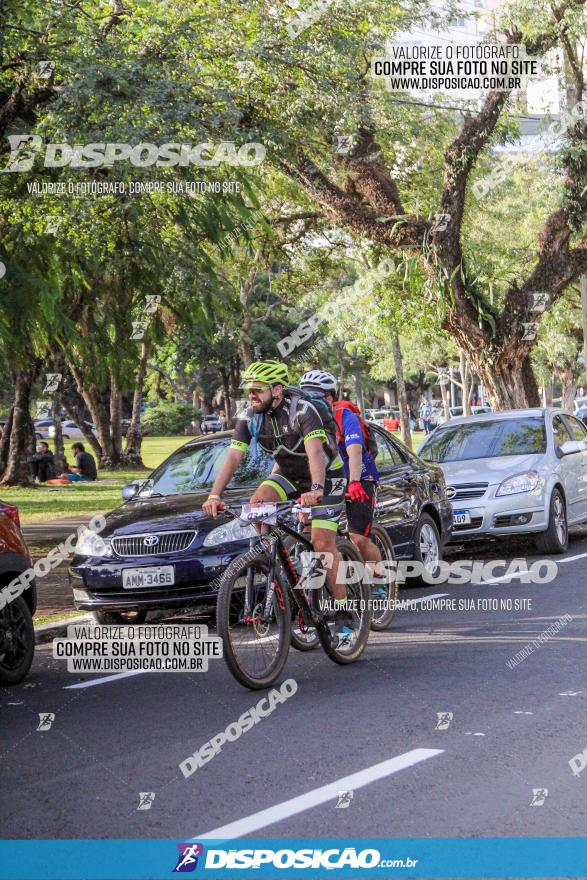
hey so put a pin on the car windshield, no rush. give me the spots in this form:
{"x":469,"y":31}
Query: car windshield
{"x":196,"y":467}
{"x":490,"y":439}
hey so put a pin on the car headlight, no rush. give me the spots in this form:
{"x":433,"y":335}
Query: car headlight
{"x":525,"y":482}
{"x":90,"y":543}
{"x":230,"y":531}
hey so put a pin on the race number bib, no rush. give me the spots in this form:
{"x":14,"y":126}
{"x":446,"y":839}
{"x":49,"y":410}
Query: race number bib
{"x":262,"y":511}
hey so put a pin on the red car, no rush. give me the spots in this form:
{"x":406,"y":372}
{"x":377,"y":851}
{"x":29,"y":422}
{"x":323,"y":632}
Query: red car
{"x":17,"y":635}
{"x":392,"y":423}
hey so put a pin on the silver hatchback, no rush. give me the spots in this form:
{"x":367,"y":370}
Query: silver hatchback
{"x":514,"y":472}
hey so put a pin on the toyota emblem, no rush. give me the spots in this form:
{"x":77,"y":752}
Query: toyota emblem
{"x":450,"y":491}
{"x":151,"y":541}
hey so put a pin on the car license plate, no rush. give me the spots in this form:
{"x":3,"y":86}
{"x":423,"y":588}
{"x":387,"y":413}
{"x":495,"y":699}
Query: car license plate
{"x":461,"y":518}
{"x":150,"y":576}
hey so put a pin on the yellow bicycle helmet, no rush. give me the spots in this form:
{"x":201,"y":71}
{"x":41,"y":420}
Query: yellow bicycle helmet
{"x":271,"y":372}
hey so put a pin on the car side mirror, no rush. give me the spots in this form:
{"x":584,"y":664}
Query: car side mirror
{"x":571,"y":447}
{"x":130,"y":491}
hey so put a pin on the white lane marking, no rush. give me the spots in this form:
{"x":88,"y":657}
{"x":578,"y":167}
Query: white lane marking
{"x":470,"y":733}
{"x":509,"y":577}
{"x":502,"y":577}
{"x":319,"y":795}
{"x":104,"y":679}
{"x":571,"y":558}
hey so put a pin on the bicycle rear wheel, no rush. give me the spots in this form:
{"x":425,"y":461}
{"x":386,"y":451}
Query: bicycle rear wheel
{"x":381,"y":618}
{"x":358,"y":595}
{"x":255,"y":649}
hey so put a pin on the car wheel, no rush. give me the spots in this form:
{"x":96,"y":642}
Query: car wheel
{"x":17,"y":641}
{"x":65,"y":436}
{"x":427,"y":549}
{"x":119,"y":618}
{"x":556,"y":537}
{"x":38,"y":436}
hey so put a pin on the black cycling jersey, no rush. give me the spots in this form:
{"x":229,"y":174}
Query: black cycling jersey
{"x":283,"y":435}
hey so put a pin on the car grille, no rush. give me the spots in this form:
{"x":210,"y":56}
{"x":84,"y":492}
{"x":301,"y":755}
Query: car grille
{"x":476,"y":522}
{"x":143,"y":545}
{"x":468,"y":490}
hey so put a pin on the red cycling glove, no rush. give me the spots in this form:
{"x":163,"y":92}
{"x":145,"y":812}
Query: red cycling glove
{"x":356,"y":492}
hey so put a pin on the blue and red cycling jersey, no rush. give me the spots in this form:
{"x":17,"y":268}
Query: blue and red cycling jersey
{"x":352,"y":433}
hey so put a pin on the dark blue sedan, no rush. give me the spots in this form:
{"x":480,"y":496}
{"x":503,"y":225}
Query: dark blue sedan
{"x":158,"y":550}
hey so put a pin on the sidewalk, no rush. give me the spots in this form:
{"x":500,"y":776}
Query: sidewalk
{"x":56,"y":530}
{"x":54,"y":594}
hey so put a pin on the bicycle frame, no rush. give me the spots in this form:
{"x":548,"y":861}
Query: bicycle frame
{"x":277,"y":550}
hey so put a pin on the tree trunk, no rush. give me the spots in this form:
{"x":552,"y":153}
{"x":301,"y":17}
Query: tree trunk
{"x":566,"y":375}
{"x":5,"y":442}
{"x":444,"y":393}
{"x":93,"y":400}
{"x":406,"y":434}
{"x":134,"y":436}
{"x":115,"y":421}
{"x":21,"y":447}
{"x":74,"y":407}
{"x":226,"y":390}
{"x":359,"y":390}
{"x":244,"y":347}
{"x":507,"y":377}
{"x":59,"y":452}
{"x":467,"y":380}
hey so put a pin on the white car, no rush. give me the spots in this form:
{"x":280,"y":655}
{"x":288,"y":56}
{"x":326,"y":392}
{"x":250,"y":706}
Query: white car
{"x":42,"y":428}
{"x":521,"y":471}
{"x":71,"y":430}
{"x":377,"y":415}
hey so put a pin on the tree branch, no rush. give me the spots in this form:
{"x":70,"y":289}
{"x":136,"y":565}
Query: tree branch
{"x":370,"y":174}
{"x":350,"y":209}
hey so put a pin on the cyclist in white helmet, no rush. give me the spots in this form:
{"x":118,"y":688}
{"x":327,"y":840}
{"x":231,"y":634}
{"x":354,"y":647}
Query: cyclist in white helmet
{"x":360,"y":468}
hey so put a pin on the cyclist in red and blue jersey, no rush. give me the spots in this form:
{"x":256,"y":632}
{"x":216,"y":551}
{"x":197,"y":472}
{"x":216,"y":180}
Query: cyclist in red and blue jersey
{"x":359,"y":464}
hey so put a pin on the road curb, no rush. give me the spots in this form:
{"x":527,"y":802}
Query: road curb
{"x":50,"y":631}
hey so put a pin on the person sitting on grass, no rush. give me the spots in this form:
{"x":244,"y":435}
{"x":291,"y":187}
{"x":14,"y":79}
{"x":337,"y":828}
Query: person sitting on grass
{"x":84,"y":469}
{"x":43,"y":463}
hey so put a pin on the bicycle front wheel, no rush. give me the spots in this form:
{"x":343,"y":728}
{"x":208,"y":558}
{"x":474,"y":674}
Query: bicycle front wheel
{"x":255,"y":645}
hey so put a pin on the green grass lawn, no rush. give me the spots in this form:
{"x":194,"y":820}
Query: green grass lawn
{"x":81,"y":499}
{"x":43,"y":505}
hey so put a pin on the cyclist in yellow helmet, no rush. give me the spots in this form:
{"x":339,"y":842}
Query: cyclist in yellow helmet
{"x":307,"y":461}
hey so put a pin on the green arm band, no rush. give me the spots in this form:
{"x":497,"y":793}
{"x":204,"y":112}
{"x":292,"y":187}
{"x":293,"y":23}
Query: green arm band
{"x":317,"y":433}
{"x":238,"y":444}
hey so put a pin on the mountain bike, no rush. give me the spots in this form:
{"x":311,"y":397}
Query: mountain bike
{"x":259,"y":588}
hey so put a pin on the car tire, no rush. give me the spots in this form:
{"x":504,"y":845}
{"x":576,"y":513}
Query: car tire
{"x":17,"y":641}
{"x":65,"y":436}
{"x":119,"y":618}
{"x":556,"y":537}
{"x":427,"y":550}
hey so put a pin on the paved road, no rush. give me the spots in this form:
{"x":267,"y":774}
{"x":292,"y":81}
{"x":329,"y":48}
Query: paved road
{"x":513,"y":730}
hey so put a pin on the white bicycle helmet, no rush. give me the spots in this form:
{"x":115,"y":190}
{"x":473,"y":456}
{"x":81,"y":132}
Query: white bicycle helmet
{"x":318,"y":380}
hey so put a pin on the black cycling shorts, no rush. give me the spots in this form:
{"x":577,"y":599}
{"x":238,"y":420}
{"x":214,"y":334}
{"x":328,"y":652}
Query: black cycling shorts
{"x":359,"y":514}
{"x":327,"y":513}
